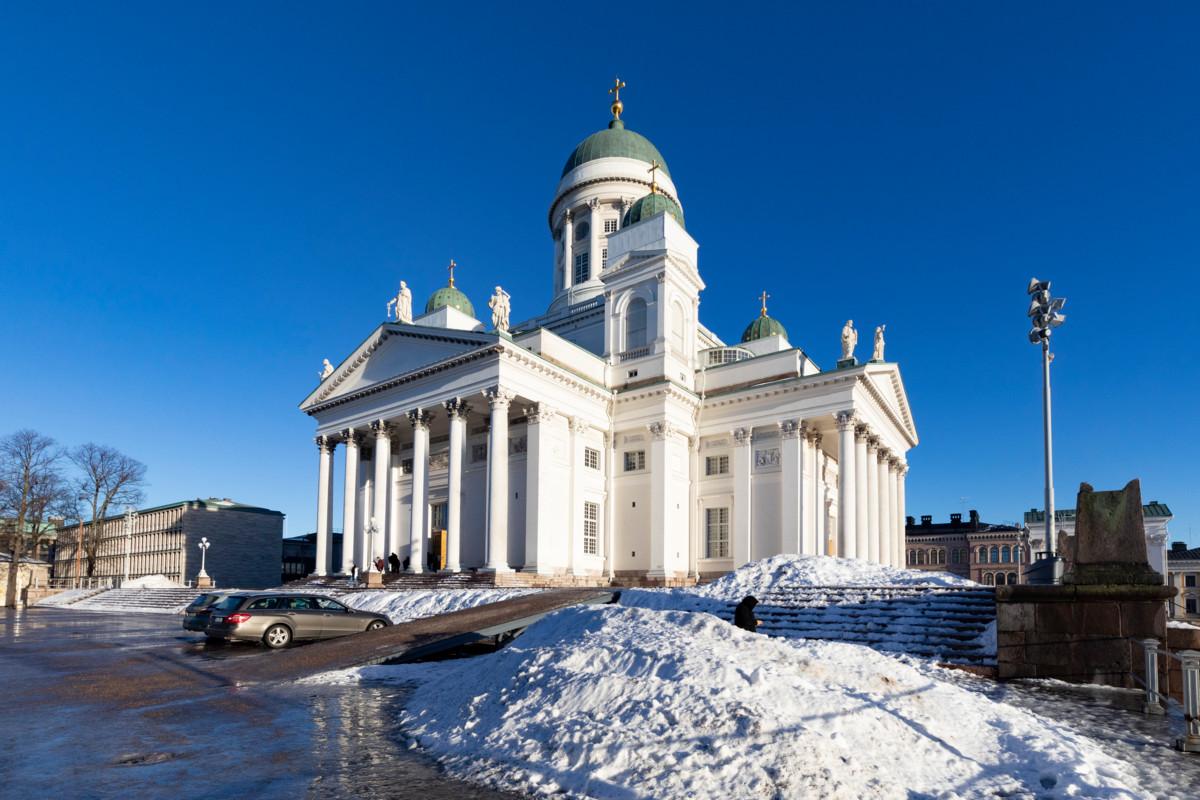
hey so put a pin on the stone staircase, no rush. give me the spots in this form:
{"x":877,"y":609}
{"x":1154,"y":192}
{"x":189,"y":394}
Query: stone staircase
{"x":948,"y":624}
{"x":161,"y":601}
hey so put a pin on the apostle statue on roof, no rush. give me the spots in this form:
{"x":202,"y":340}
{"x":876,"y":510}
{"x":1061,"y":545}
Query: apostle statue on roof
{"x":849,"y":340}
{"x":878,"y":354}
{"x":403,"y":303}
{"x":500,"y":306}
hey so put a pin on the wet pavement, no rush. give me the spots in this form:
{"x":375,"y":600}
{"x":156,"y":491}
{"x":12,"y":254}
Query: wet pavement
{"x":129,"y":705}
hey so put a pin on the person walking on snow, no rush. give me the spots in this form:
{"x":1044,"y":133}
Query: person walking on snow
{"x":743,"y":615}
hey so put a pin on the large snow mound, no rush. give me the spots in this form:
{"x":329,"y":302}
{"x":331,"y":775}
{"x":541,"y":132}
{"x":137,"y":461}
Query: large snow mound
{"x":152,"y":582}
{"x":413,"y":604}
{"x":615,"y":702}
{"x":782,"y":572}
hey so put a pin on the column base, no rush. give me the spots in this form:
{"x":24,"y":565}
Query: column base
{"x":500,"y":568}
{"x":374,"y":580}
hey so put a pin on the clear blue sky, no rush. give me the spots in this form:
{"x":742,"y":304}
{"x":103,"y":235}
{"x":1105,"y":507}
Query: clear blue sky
{"x":199,"y":203}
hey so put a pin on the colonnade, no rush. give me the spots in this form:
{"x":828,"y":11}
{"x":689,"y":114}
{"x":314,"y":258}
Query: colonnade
{"x":381,"y":529}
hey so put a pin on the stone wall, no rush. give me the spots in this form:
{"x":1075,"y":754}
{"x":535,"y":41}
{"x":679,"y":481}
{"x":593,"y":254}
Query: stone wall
{"x":246,"y":551}
{"x":1076,"y":633}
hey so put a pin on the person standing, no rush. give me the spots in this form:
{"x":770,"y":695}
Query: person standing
{"x":743,"y":615}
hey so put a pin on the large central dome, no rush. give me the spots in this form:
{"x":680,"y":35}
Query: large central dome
{"x":615,"y":142}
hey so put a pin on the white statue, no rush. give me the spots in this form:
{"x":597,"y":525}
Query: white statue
{"x":403,"y":303}
{"x":878,"y":354}
{"x":326,"y":369}
{"x":849,"y":340}
{"x":500,"y":306}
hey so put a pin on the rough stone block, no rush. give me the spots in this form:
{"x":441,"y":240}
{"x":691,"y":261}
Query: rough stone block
{"x":1010,"y":639}
{"x":1058,"y":617}
{"x":1110,"y":538}
{"x":1101,"y":619}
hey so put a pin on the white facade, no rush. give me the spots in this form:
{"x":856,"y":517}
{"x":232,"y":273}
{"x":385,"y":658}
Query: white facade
{"x":615,"y":435}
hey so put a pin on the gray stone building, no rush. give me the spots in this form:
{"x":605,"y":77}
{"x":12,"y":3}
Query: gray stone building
{"x":245,"y":544}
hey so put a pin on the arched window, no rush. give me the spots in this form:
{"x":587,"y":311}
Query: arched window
{"x":912,"y":556}
{"x":1001,"y":578}
{"x":678,"y":318}
{"x":1012,"y":579}
{"x":942,"y":556}
{"x":955,"y":556}
{"x":1017,"y":554}
{"x":994,"y":555}
{"x":983,"y":555}
{"x":989,"y":579}
{"x":921,"y":557}
{"x":1004,"y":554}
{"x":635,"y":323}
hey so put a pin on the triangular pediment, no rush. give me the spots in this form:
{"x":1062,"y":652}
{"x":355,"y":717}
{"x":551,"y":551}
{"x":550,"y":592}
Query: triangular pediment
{"x":888,"y":389}
{"x":392,"y":351}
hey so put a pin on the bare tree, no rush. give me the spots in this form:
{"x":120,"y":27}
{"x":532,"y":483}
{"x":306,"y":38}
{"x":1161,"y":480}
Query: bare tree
{"x":31,"y":488}
{"x":107,"y":478}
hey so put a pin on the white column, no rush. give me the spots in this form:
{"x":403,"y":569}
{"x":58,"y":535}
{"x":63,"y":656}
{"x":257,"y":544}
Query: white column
{"x":420,"y":469}
{"x":791,"y":496}
{"x":325,"y":445}
{"x":902,"y":539}
{"x":457,"y":411}
{"x":499,"y":400}
{"x":395,"y":516}
{"x":742,"y":453}
{"x":895,"y":535}
{"x":568,"y":249}
{"x":544,"y":529}
{"x":872,"y":465}
{"x":379,"y":489}
{"x":862,"y":539}
{"x":578,"y":428}
{"x":610,"y":455}
{"x":885,"y":508}
{"x":594,"y":238}
{"x":813,"y":502}
{"x":350,"y":499}
{"x":847,"y":500}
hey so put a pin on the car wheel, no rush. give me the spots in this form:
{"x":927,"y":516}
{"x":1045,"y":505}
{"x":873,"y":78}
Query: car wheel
{"x":376,"y":624}
{"x":277,"y":636}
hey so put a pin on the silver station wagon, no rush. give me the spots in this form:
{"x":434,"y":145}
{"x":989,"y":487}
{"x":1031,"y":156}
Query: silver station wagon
{"x":277,"y":620}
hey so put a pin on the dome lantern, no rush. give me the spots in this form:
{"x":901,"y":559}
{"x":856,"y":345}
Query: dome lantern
{"x":763,"y":326}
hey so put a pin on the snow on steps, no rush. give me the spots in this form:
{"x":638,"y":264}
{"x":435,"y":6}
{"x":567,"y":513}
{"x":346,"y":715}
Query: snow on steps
{"x":946,"y":623}
{"x":161,"y":601}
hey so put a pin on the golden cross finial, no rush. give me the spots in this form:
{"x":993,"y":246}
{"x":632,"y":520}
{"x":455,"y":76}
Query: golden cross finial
{"x":451,"y":268}
{"x":763,"y":297}
{"x":615,"y":91}
{"x":654,"y":167}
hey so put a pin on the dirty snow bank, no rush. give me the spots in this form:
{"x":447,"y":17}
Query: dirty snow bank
{"x":615,"y":702}
{"x":420,"y":603}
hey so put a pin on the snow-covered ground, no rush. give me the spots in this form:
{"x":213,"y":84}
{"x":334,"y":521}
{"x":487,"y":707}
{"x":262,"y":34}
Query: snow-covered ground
{"x":420,"y":603}
{"x":1178,"y":623}
{"x":67,"y":597}
{"x":615,"y":702}
{"x":153,"y":582}
{"x":788,"y":571}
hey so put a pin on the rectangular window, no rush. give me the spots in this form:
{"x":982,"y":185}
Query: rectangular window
{"x":479,"y":452}
{"x":1191,"y":605}
{"x":716,"y":465}
{"x":610,"y":225}
{"x":635,"y":460}
{"x":406,"y":466}
{"x":583,"y":267}
{"x":716,"y":532}
{"x":603,"y":258}
{"x":591,"y":458}
{"x":591,"y":528}
{"x":1189,"y":581}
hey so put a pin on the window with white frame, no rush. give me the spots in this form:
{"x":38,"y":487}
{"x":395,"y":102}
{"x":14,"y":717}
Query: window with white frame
{"x":591,"y":458}
{"x":716,"y":465}
{"x":635,"y":460}
{"x":716,"y":532}
{"x":603,"y":257}
{"x":610,"y":225}
{"x":591,"y":528}
{"x":583,"y":267}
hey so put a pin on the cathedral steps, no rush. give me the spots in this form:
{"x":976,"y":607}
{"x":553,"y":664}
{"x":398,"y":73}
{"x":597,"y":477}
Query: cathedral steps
{"x":948,"y":624}
{"x":171,"y":601}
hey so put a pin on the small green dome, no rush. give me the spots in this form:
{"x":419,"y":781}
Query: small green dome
{"x":615,"y":142}
{"x":763,"y":327}
{"x":651,"y":204}
{"x":450,"y":296}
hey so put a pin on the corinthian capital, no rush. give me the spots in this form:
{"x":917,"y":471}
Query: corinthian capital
{"x":498,"y":397}
{"x":326,"y":444}
{"x":661,"y":430}
{"x":382,"y":429}
{"x":419,"y":418}
{"x":539,"y":413}
{"x":456,"y":408}
{"x":741,"y":436}
{"x":351,"y":437}
{"x":845,"y":420}
{"x":789,"y":428}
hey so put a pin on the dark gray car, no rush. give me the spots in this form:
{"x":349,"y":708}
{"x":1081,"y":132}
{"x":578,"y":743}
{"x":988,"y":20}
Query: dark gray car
{"x":277,"y":620}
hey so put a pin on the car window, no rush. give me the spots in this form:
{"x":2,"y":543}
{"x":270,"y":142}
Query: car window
{"x":329,"y":605}
{"x":302,"y":603}
{"x":263,"y":603}
{"x":230,"y":603}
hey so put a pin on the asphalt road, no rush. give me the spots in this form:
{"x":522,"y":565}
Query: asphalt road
{"x":100,"y":705}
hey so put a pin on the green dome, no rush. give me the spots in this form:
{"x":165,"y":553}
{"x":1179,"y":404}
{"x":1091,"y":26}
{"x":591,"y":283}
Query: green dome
{"x":450,"y":296}
{"x":615,"y":142}
{"x":651,"y":204}
{"x":763,"y":327}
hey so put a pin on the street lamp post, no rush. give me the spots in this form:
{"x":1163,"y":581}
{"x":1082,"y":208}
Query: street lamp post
{"x":374,"y":576}
{"x":130,"y":515}
{"x":202,"y":579}
{"x":1044,"y":313}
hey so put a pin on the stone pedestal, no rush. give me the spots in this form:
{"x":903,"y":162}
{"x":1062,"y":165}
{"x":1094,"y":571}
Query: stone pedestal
{"x":204,"y":581}
{"x":1076,"y":633}
{"x":374,"y":579}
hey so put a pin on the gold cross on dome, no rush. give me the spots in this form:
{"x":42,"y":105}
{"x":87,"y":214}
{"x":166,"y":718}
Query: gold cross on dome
{"x":451,"y":268}
{"x":654,"y":167}
{"x":763,"y":297}
{"x":615,"y":91}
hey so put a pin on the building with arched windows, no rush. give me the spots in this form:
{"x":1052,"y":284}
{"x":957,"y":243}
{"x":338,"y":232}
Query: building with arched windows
{"x":612,"y":435}
{"x":995,"y":555}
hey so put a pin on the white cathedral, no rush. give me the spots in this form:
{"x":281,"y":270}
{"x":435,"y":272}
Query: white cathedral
{"x":614,"y":437}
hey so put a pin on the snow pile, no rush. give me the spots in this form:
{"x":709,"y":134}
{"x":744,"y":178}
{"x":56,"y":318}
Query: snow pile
{"x":417,"y":604}
{"x":613,"y":702}
{"x":782,"y":572}
{"x":1178,"y":623}
{"x":152,"y":582}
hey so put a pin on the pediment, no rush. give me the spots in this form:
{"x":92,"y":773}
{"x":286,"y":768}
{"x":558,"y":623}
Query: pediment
{"x":389,"y":352}
{"x":888,"y":388}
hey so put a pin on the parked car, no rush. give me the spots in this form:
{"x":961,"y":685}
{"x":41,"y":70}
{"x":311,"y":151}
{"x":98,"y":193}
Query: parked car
{"x":195,"y":616}
{"x":277,"y":620}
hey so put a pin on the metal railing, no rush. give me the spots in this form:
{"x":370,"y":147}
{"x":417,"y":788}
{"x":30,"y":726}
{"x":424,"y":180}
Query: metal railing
{"x":1156,"y":701}
{"x":82,"y":583}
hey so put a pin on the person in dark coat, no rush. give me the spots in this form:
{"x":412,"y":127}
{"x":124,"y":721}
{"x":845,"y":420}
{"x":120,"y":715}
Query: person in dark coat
{"x":394,"y":562}
{"x":743,"y":615}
